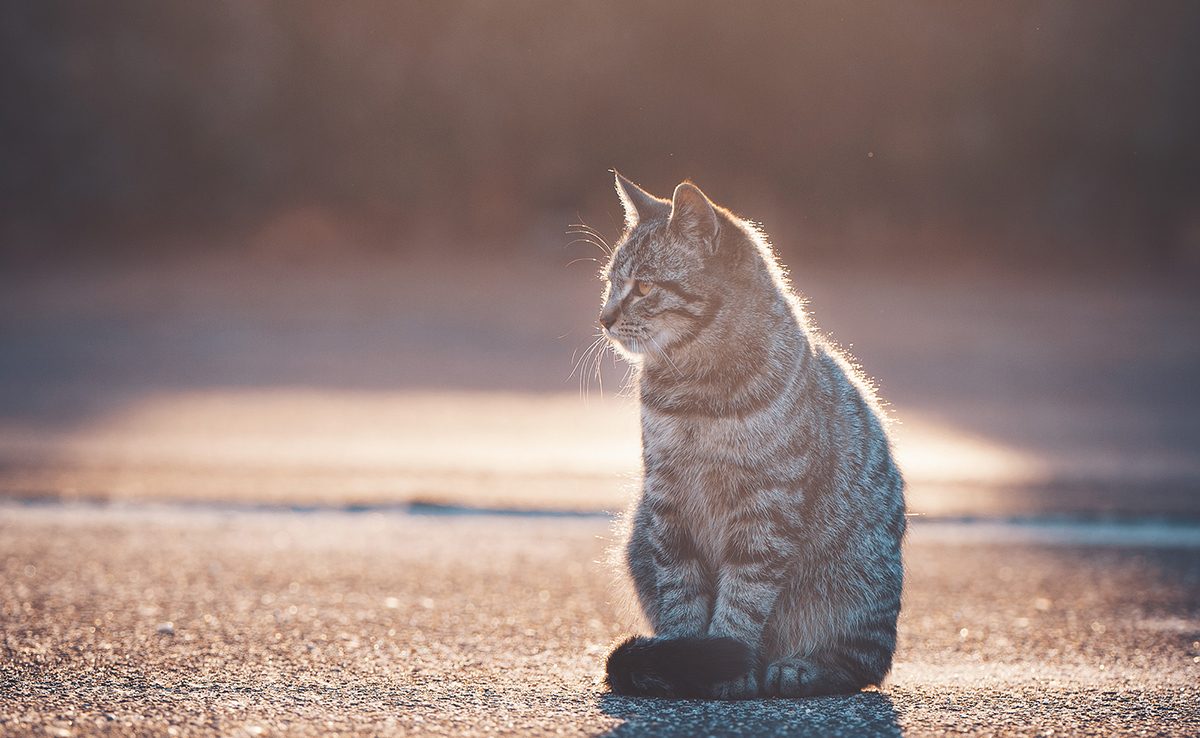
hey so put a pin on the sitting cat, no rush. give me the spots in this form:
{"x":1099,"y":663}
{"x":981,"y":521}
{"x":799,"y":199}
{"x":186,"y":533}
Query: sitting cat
{"x":765,"y":547}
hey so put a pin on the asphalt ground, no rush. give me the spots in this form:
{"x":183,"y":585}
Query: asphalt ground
{"x":190,"y":620}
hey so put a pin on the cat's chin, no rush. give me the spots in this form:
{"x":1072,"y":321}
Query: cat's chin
{"x":628,"y":349}
{"x":637,"y":350}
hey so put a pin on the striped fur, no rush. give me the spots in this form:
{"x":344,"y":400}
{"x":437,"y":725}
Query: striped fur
{"x":772,"y":512}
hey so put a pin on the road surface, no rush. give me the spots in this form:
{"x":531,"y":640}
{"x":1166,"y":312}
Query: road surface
{"x":194,"y":620}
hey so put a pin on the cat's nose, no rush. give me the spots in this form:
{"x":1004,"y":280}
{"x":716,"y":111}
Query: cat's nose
{"x":607,"y":318}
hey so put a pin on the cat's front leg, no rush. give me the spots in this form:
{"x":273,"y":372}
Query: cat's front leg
{"x":744,"y":600}
{"x":754,"y":569}
{"x":682,"y":600}
{"x":685,"y":599}
{"x":745,"y":596}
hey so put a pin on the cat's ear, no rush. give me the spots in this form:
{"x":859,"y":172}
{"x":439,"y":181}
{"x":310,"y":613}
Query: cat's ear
{"x":639,"y":204}
{"x":692,"y":215}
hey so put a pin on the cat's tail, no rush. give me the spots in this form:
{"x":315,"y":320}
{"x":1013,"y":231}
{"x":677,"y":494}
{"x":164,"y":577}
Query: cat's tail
{"x":675,"y":667}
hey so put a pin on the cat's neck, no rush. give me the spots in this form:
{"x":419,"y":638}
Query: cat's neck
{"x":732,"y":372}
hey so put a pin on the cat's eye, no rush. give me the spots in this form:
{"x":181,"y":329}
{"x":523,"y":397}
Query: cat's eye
{"x":642,"y":287}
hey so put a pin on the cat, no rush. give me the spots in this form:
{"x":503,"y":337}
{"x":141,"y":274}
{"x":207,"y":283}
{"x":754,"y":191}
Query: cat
{"x":765,"y":548}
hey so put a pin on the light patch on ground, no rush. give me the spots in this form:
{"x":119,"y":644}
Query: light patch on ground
{"x":422,"y":432}
{"x":933,"y":451}
{"x":475,"y":448}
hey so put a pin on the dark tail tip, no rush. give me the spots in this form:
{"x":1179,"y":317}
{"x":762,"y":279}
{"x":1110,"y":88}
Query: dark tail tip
{"x":675,"y":667}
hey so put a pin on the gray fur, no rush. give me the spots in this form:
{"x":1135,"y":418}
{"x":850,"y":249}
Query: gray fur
{"x":772,"y":511}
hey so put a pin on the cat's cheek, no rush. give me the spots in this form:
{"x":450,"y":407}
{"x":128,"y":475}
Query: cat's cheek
{"x":667,"y":335}
{"x":664,"y":339}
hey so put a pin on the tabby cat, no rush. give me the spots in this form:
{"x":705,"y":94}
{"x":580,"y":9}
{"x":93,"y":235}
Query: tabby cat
{"x":765,"y":546}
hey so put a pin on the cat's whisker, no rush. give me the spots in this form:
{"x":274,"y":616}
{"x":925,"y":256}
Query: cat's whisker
{"x":582,"y":258}
{"x":588,"y":229}
{"x":589,"y":357}
{"x":592,"y":236}
{"x":604,"y":348}
{"x":662,"y":352}
{"x":587,"y":240}
{"x":577,"y":358}
{"x":589,"y":236}
{"x":629,"y":382}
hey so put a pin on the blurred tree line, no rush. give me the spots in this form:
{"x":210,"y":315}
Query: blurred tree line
{"x":1020,"y":126}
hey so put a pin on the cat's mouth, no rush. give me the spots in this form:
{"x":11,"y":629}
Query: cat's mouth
{"x":631,"y":342}
{"x":637,"y":343}
{"x":626,"y":340}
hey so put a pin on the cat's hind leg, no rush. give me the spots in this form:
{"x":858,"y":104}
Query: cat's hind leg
{"x":847,"y":669}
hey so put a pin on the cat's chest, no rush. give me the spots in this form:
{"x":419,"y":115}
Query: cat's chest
{"x":699,"y":439}
{"x":699,"y":468}
{"x":695,"y":445}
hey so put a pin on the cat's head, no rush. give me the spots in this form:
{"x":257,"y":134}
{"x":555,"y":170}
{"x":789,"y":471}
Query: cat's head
{"x":672,"y":271}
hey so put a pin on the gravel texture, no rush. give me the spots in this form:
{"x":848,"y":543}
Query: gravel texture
{"x":192,"y":620}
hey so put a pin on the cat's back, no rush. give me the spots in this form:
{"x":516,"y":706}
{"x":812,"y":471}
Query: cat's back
{"x":799,"y":392}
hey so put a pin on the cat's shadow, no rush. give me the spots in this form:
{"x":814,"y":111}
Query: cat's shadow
{"x":864,"y":714}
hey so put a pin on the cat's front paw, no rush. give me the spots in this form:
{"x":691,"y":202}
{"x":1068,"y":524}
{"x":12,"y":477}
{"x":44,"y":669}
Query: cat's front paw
{"x":742,"y":688}
{"x":786,"y":678}
{"x":789,"y":678}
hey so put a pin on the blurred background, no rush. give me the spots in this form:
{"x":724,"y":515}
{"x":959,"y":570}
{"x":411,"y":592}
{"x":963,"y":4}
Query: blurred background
{"x":320,"y":253}
{"x":913,"y":131}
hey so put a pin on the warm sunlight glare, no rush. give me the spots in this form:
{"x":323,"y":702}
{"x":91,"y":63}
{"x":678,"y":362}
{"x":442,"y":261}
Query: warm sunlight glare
{"x":480,"y":449}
